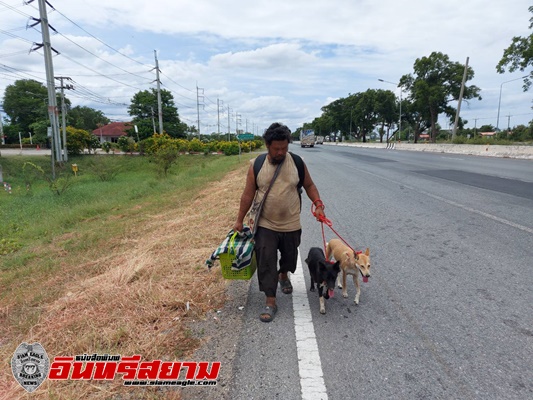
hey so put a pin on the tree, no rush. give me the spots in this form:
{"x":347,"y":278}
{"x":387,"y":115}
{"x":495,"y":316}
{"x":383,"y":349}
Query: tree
{"x":144,"y":109}
{"x":522,"y":133}
{"x":519,"y":55}
{"x":335,"y":117}
{"x":415,"y":120}
{"x":26,"y":105}
{"x":387,"y":111}
{"x":364,"y":115}
{"x":486,"y":128}
{"x":322,"y":125}
{"x":25,"y":102}
{"x":78,"y":140}
{"x":86,"y":118}
{"x":436,"y":82}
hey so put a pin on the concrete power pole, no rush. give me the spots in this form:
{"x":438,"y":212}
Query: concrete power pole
{"x":64,"y":112}
{"x":2,"y":132}
{"x":218,"y":115}
{"x":52,"y":101}
{"x":198,"y":105}
{"x":153,"y":119}
{"x":229,"y":131}
{"x":460,"y":99}
{"x":159,"y":107}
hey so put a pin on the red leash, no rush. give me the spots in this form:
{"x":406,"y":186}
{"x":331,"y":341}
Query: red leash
{"x":323,"y":220}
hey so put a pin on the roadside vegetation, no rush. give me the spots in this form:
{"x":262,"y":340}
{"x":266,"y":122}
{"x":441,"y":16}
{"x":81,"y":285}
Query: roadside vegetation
{"x":114,"y":263}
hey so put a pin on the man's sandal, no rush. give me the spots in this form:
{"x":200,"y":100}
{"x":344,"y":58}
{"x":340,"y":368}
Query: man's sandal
{"x":268,"y":313}
{"x":286,"y":286}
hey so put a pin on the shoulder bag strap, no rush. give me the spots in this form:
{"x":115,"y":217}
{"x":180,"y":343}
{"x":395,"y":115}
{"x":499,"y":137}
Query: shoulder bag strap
{"x":272,"y":181}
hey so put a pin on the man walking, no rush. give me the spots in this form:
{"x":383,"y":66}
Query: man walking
{"x":279,"y":225}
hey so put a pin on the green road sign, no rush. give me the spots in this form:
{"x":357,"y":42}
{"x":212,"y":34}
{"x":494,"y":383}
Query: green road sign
{"x":245,"y":136}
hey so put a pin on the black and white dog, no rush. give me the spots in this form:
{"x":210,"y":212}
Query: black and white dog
{"x":323,"y":273}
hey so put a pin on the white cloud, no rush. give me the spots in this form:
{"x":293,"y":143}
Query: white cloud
{"x":268,"y":60}
{"x":282,"y":56}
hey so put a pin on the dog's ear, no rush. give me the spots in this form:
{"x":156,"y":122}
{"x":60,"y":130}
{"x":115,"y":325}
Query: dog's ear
{"x":367,"y":252}
{"x":307,"y":261}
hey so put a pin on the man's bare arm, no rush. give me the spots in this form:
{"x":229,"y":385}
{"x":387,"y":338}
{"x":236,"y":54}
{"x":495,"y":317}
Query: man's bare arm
{"x":247,"y":198}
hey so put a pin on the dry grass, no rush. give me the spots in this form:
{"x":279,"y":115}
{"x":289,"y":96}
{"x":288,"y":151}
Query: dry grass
{"x":131,"y":299}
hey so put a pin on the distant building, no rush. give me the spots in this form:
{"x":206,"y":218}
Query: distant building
{"x":487,"y":134}
{"x":111,"y":132}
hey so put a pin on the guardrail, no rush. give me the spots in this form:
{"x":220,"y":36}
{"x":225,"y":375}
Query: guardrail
{"x":490,"y":150}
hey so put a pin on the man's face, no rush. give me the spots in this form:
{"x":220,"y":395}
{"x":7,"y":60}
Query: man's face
{"x":277,"y":150}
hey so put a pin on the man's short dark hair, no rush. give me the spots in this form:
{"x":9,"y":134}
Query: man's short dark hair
{"x":277,"y":131}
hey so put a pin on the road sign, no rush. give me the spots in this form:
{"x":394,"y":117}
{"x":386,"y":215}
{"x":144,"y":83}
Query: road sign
{"x":245,"y":136}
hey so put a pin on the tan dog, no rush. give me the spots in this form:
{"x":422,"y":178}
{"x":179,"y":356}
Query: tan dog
{"x":351,"y":264}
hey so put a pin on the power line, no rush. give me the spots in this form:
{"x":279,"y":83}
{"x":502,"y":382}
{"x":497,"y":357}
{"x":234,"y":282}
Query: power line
{"x":100,"y":58}
{"x":91,"y":95}
{"x":14,"y":9}
{"x":100,"y":74}
{"x":105,"y":44}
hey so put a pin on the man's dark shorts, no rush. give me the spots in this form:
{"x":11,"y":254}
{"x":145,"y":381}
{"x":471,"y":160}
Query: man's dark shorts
{"x":267,"y":244}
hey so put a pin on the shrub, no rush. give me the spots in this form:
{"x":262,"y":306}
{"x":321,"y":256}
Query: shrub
{"x":195,"y":145}
{"x":78,"y":140}
{"x":231,"y":149}
{"x":165,"y":156}
{"x":59,"y":185}
{"x":106,"y":146}
{"x":126,"y":144}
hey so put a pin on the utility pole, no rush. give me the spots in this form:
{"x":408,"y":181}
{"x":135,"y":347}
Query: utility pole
{"x":159,"y":107}
{"x":198,"y":105}
{"x":218,"y":115}
{"x":64,"y":113}
{"x":229,"y":131}
{"x":52,"y":101}
{"x":460,"y":99}
{"x":237,"y":120}
{"x":153,"y":119}
{"x":2,"y":132}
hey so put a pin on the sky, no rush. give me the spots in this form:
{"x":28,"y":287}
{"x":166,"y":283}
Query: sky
{"x":252,"y":63}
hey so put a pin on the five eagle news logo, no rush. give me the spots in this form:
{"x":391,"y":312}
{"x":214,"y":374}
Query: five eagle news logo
{"x":30,"y":365}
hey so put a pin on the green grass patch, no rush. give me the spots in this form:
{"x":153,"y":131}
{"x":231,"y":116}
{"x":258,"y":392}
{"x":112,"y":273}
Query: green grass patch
{"x":105,"y":187}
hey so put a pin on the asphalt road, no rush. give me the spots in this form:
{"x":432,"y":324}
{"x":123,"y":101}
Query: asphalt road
{"x":447,"y":313}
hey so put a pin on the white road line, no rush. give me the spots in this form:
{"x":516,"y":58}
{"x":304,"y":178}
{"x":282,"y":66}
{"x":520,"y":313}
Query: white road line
{"x":455,"y":204}
{"x":311,"y":375}
{"x":472,"y":210}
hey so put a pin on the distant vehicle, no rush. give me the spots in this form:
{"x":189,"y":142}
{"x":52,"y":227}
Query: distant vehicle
{"x":307,"y":138}
{"x":319,"y":140}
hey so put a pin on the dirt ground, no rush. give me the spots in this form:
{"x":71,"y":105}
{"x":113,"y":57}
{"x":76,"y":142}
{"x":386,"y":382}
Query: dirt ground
{"x":220,"y":333}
